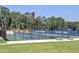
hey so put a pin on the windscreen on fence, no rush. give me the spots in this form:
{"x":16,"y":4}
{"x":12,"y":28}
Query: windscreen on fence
{"x":43,"y":35}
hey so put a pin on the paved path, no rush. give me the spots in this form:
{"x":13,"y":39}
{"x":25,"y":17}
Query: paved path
{"x":37,"y":41}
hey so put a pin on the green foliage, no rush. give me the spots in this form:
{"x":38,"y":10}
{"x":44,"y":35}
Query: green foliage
{"x":55,"y":23}
{"x":17,"y":20}
{"x":5,"y":19}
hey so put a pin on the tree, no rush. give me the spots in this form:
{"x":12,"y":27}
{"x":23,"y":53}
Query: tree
{"x":72,"y":26}
{"x":15,"y":16}
{"x":40,"y":23}
{"x":17,"y":20}
{"x":55,"y":23}
{"x":61,"y":23}
{"x":5,"y":19}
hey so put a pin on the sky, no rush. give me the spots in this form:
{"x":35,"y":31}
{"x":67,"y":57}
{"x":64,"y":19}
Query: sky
{"x":68,"y":12}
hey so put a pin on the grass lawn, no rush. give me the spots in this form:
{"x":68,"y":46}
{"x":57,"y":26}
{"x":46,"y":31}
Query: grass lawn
{"x":58,"y":47}
{"x":2,"y":41}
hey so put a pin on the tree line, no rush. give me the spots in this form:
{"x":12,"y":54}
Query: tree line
{"x":17,"y":20}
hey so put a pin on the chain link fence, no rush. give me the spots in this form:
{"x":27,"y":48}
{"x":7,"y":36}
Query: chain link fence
{"x":42,"y":35}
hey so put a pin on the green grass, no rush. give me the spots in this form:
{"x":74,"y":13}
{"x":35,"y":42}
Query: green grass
{"x":2,"y":41}
{"x":56,"y":47}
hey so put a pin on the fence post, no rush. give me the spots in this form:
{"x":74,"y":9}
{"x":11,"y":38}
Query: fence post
{"x":14,"y":36}
{"x":23,"y":35}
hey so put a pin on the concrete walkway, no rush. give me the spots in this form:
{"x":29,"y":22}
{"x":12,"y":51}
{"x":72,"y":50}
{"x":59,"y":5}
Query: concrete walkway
{"x":37,"y":41}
